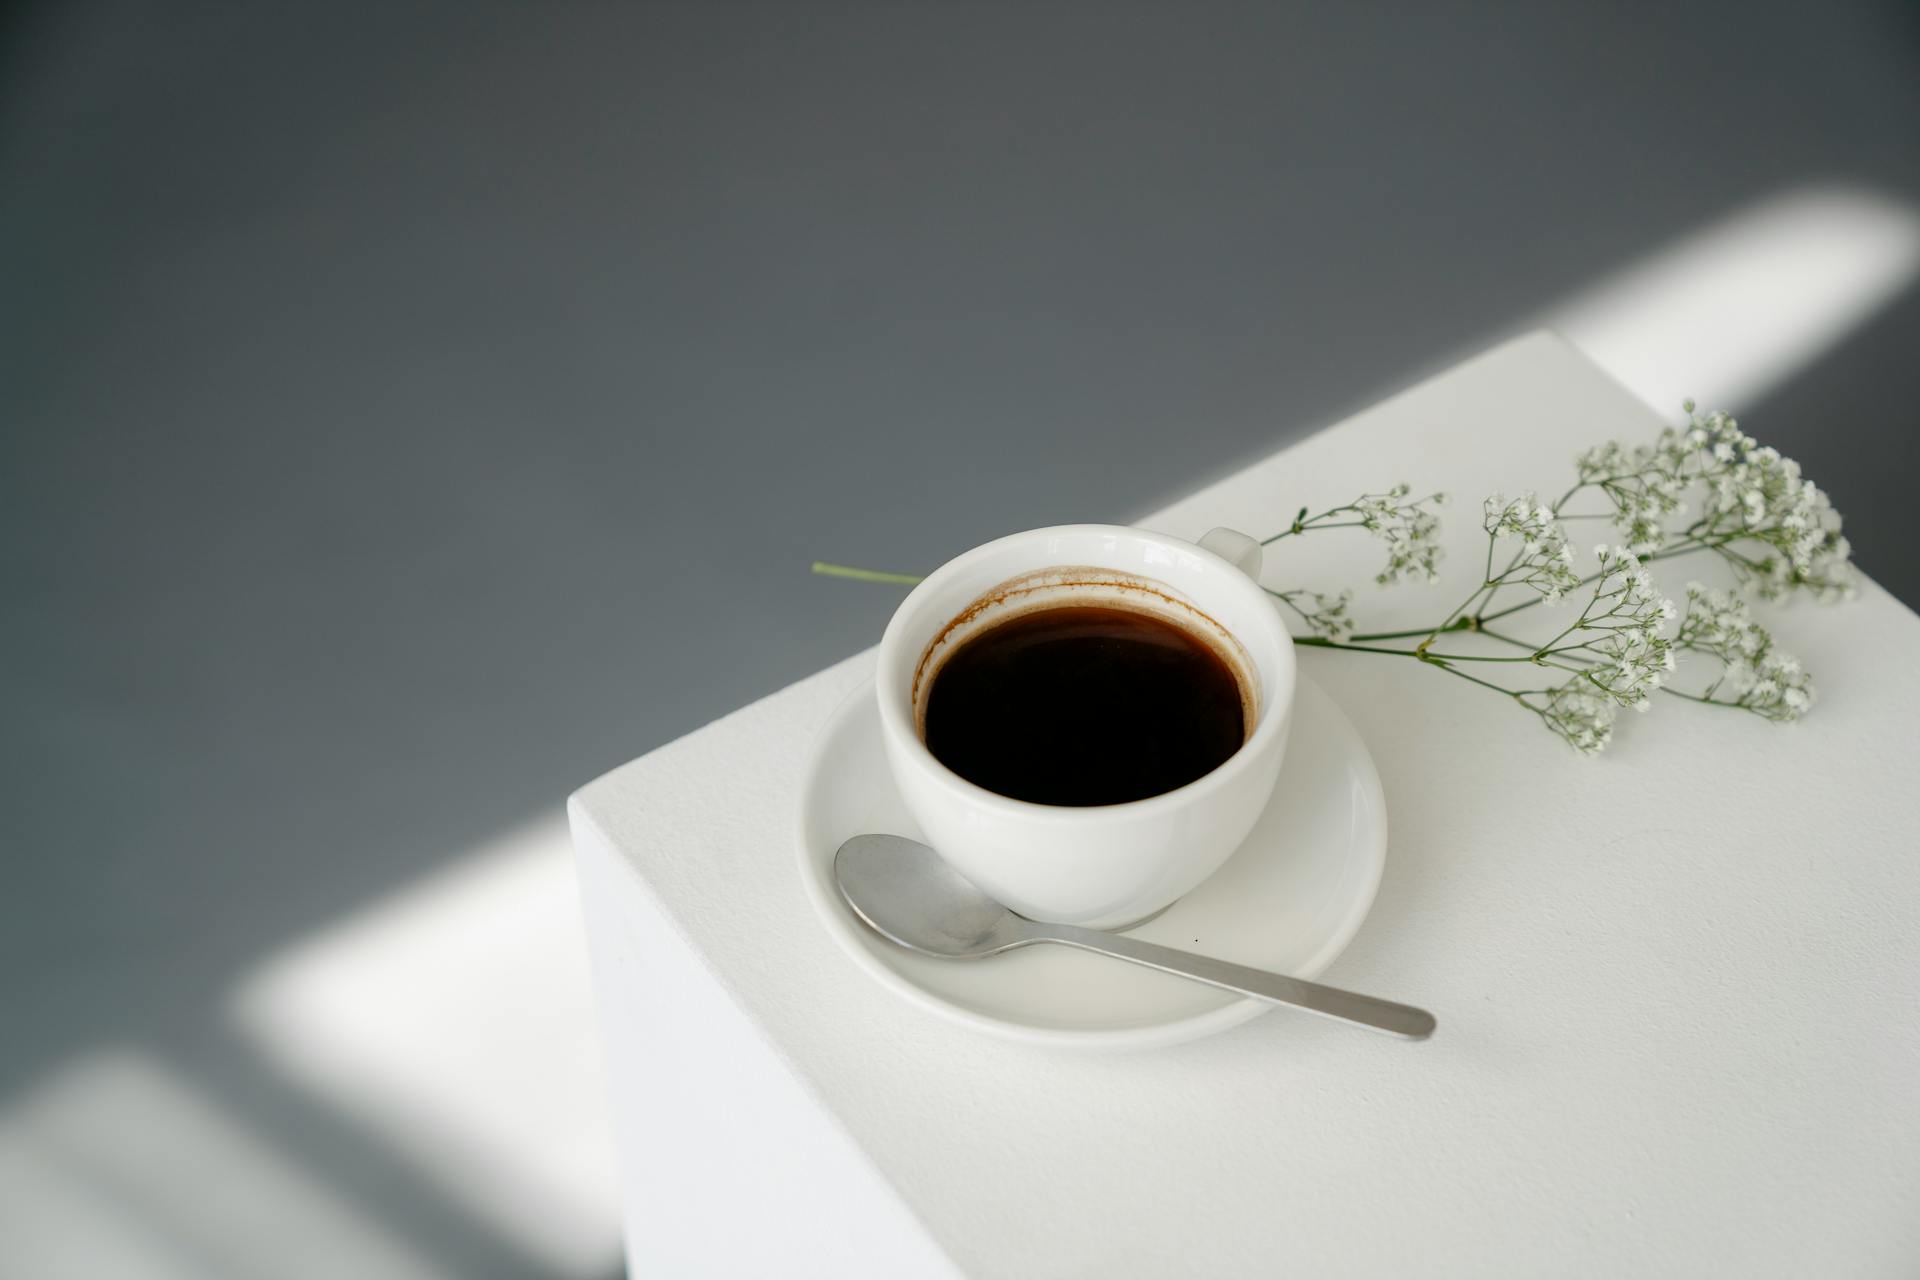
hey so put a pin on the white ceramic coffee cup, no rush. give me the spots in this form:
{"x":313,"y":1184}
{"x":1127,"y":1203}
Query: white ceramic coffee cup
{"x":1109,"y":865}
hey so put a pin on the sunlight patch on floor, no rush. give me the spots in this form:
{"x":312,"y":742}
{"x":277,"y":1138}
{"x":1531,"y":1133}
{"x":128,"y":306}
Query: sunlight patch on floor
{"x":115,"y":1166}
{"x":453,"y":1021}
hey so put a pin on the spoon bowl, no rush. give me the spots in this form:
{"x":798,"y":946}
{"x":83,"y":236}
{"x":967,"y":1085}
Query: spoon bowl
{"x":907,"y":893}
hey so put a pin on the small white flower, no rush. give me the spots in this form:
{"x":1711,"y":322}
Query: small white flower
{"x":1749,"y":492}
{"x":1546,"y":558}
{"x":1752,"y":492}
{"x":1409,"y":529}
{"x":1324,"y":615}
{"x":1581,"y":716}
{"x":1763,"y":679}
{"x":1622,"y":628}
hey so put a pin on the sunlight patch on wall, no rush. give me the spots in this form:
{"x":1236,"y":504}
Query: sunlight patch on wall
{"x":1741,"y":306}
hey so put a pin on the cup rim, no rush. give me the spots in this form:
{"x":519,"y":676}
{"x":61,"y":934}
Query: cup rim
{"x":898,"y":724}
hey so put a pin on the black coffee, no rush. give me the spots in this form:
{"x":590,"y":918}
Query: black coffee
{"x":1083,"y":705}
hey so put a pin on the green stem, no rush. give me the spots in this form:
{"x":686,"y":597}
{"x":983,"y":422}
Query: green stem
{"x":1460,"y":624}
{"x":1318,"y":642}
{"x":1487,"y":580}
{"x":1512,"y":609}
{"x":1496,"y":583}
{"x":1286,"y":598}
{"x":1484,"y":684}
{"x":1684,"y":549}
{"x":826,"y":570}
{"x":1506,"y":639}
{"x":1444,"y":661}
{"x":1710,"y":702}
{"x":1578,"y":623}
{"x":1305,"y":523}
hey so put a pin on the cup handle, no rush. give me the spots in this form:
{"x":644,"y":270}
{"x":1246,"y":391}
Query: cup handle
{"x":1236,"y":548}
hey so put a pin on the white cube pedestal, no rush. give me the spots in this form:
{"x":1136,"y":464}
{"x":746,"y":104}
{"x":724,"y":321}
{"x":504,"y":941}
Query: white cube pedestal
{"x":1678,"y":986}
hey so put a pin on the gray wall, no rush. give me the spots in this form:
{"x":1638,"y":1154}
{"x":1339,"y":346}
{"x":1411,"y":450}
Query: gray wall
{"x":410,"y":412}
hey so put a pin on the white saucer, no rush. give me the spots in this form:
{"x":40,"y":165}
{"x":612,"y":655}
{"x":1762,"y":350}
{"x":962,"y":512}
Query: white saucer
{"x":1290,"y":900}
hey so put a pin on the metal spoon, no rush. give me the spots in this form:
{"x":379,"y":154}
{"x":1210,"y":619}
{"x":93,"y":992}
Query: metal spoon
{"x":909,"y":894}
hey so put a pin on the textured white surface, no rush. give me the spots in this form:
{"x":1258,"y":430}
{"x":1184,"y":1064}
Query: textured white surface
{"x":1676,"y":986}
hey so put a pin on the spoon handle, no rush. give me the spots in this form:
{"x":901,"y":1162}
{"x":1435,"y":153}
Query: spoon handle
{"x":1347,"y":1006}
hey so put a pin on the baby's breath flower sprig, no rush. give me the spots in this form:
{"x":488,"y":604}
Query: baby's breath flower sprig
{"x":1759,"y":676}
{"x":1545,"y":559}
{"x":1785,"y":526}
{"x":1409,"y":526}
{"x":1645,"y":484}
{"x":1614,"y":655}
{"x":1617,"y":637}
{"x":1582,"y":717}
{"x":1776,"y":530}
